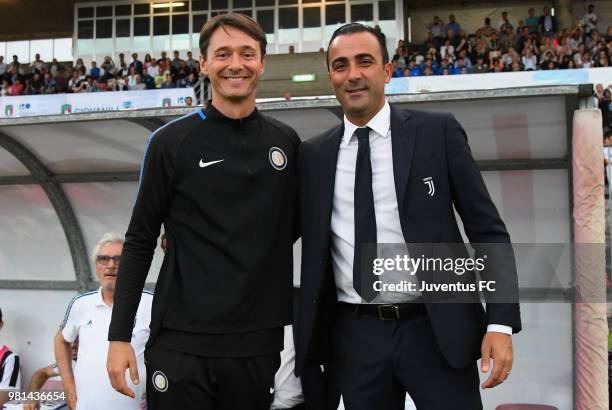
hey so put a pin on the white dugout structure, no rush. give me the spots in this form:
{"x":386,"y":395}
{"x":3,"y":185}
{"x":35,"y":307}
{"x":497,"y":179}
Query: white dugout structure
{"x":66,"y":180}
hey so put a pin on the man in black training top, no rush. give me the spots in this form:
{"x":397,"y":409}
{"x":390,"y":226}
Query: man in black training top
{"x":222,"y":181}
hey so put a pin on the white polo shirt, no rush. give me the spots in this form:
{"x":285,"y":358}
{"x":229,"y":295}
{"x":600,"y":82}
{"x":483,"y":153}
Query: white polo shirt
{"x":88,"y":317}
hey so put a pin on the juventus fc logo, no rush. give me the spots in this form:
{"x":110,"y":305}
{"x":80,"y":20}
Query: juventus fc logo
{"x":430,"y":186}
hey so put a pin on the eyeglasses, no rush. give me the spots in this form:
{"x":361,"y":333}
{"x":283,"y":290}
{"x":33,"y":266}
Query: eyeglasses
{"x":105,"y":259}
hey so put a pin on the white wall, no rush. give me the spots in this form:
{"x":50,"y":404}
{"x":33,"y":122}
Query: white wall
{"x":31,"y":320}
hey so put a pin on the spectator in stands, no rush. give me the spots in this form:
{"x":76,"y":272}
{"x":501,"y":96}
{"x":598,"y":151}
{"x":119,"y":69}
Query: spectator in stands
{"x":148,"y":80}
{"x":61,"y":81}
{"x":108,"y":66}
{"x":15,"y":64}
{"x":159,"y":79}
{"x":495,"y":46}
{"x":487,"y":30}
{"x":176,"y":61}
{"x":453,"y":25}
{"x":42,"y":379}
{"x":168,"y":83}
{"x":413,"y":69}
{"x":121,"y":61}
{"x":447,"y":51}
{"x":529,"y":60}
{"x":531,"y":22}
{"x":291,"y":49}
{"x":137,"y":84}
{"x":10,"y":371}
{"x":480,"y":67}
{"x":36,"y":85}
{"x":589,"y":21}
{"x":192,"y":64}
{"x":136,"y":64}
{"x":398,"y":68}
{"x":78,"y":65}
{"x":462,"y":64}
{"x":163,"y":62}
{"x":547,"y":24}
{"x":463,"y":43}
{"x":4,"y":88}
{"x":17,"y":88}
{"x":88,"y":317}
{"x":587,"y":61}
{"x":505,"y":23}
{"x":131,"y":78}
{"x":605,"y":105}
{"x":122,"y":84}
{"x":37,"y":64}
{"x":90,"y":85}
{"x":180,"y":78}
{"x":94,"y":71}
{"x":147,"y":61}
{"x":54,"y":67}
{"x":191,"y":80}
{"x":515,"y":66}
{"x":430,"y":64}
{"x":438,"y":31}
{"x":153,"y":68}
{"x":602,"y":59}
{"x":2,"y":66}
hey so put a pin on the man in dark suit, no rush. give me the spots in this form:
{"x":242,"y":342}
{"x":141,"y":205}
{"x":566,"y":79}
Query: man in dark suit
{"x":387,"y":175}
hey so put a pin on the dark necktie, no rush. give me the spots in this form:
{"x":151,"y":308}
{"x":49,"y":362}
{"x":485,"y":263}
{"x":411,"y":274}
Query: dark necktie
{"x":365,"y":219}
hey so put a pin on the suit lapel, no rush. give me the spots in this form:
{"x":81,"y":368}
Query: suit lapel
{"x":328,"y":157}
{"x":403,"y":137}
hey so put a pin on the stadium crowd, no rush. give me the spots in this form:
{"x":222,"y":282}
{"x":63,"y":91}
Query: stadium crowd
{"x":54,"y":77}
{"x":533,"y":43}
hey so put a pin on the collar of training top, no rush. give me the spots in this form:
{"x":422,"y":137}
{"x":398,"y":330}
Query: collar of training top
{"x":215,"y":115}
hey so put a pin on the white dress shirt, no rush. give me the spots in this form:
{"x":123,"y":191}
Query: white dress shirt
{"x":388,"y":228}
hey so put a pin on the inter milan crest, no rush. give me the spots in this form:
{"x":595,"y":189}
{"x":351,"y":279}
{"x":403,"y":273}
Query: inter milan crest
{"x":278,"y":159}
{"x":160,"y":381}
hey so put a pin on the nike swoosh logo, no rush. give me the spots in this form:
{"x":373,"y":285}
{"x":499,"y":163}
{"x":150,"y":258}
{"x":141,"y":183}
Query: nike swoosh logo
{"x":207,"y":164}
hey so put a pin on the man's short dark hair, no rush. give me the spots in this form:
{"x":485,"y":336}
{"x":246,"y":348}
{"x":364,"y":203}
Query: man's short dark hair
{"x":237,"y":20}
{"x":352,"y":28}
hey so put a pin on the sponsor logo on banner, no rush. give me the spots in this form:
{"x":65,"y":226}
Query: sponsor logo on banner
{"x":126,"y":104}
{"x":66,"y":108}
{"x":8,"y":110}
{"x":167,"y":102}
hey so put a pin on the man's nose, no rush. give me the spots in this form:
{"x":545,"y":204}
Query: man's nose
{"x":354,"y":71}
{"x":234,"y":62}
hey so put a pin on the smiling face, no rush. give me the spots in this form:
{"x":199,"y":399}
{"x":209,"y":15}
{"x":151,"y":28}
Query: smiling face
{"x":234,"y":63}
{"x":358,"y":75}
{"x":106,"y":270}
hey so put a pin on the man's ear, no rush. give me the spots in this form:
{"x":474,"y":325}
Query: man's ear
{"x":388,"y":71}
{"x":203,"y":65}
{"x":263,"y":65}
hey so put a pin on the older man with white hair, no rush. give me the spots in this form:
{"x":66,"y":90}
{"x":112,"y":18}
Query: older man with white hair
{"x":88,"y":317}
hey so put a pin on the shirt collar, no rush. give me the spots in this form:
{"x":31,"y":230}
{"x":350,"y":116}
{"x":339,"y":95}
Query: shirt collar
{"x":100,"y":299}
{"x":380,"y":124}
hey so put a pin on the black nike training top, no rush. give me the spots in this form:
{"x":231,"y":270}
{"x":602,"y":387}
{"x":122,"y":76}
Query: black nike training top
{"x":225,"y":191}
